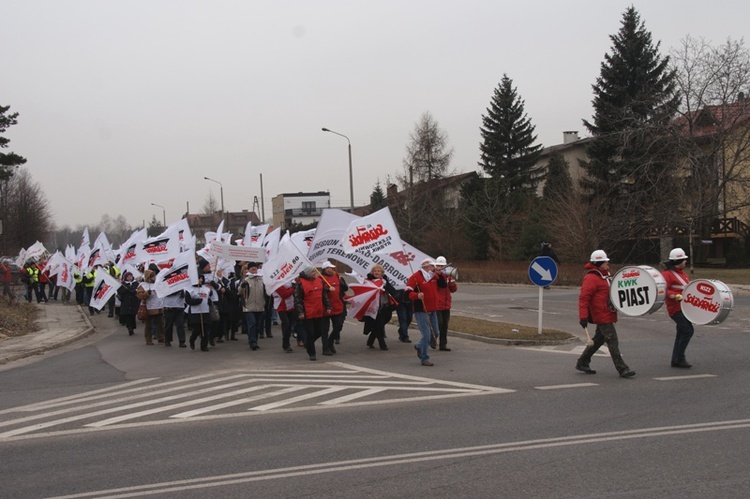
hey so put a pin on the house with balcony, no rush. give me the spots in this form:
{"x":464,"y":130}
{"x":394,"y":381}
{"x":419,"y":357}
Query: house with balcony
{"x":292,"y":209}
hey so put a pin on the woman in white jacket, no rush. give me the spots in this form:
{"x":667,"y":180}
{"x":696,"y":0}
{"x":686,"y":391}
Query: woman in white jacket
{"x":199,"y":317}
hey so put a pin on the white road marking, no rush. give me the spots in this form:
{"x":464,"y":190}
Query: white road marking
{"x":689,"y":376}
{"x":299,"y":398}
{"x":401,"y":459}
{"x":560,"y":387}
{"x":122,"y":405}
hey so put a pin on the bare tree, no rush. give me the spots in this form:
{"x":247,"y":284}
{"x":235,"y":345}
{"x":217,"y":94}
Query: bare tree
{"x":427,"y":160}
{"x":28,"y":217}
{"x":714,"y":129}
{"x":427,"y":155}
{"x":211,"y":205}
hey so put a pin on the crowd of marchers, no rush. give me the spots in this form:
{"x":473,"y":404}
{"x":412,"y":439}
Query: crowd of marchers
{"x":221,"y":308}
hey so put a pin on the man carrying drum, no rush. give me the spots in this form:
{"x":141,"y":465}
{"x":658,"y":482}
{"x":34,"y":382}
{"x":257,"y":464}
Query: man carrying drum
{"x":594,"y":306}
{"x":677,"y":280}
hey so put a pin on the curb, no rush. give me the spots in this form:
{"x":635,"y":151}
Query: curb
{"x":51,"y":345}
{"x":511,"y":341}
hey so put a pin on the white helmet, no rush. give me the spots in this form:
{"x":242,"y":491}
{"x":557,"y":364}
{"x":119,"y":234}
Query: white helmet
{"x":441,"y":261}
{"x":677,"y":254}
{"x":598,"y":256}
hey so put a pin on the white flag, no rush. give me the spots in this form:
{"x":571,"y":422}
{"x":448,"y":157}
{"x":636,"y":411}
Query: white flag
{"x":181,"y":275}
{"x":373,"y":234}
{"x":105,"y":287}
{"x":303,"y":239}
{"x":128,"y":250}
{"x":65,"y":277}
{"x":35,"y":251}
{"x":284,"y":266}
{"x":271,"y":243}
{"x":160,"y":248}
{"x":85,"y":237}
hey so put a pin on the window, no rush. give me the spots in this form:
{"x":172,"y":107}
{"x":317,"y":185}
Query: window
{"x":308,"y":206}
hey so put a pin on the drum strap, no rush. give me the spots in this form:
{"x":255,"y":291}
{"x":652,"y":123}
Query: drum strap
{"x":679,"y":278}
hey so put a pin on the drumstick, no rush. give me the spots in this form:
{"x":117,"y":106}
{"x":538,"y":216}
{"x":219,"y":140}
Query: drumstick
{"x":589,"y":341}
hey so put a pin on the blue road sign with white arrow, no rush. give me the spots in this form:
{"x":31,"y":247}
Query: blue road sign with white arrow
{"x":543,"y":271}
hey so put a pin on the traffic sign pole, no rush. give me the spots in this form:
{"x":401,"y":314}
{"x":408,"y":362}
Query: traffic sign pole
{"x":541,"y":307}
{"x":542,"y":272}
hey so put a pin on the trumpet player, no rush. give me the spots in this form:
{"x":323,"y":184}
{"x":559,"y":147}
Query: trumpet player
{"x":444,"y":303}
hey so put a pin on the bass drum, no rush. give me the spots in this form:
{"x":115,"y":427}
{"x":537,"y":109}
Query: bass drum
{"x":706,"y":301}
{"x":638,"y":290}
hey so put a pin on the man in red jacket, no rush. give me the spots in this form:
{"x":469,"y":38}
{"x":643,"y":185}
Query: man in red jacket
{"x":422,"y":289}
{"x":444,"y":301}
{"x":594,"y":306}
{"x":676,"y":280}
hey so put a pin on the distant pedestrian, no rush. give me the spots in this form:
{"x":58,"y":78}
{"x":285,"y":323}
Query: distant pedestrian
{"x":547,"y":250}
{"x":5,"y":279}
{"x":594,"y":306}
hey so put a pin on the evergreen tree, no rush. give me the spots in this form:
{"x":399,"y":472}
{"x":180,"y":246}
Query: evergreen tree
{"x":631,"y":155}
{"x":558,"y":181}
{"x":8,"y":160}
{"x":507,"y":148}
{"x":377,"y":198}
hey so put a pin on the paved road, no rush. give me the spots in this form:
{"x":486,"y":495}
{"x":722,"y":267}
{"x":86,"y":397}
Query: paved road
{"x":108,"y":416}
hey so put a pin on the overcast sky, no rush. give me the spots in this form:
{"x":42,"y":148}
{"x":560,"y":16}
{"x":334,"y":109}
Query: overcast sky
{"x":126,"y":103}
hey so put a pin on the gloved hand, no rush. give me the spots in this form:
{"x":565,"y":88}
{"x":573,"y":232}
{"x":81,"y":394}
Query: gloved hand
{"x":583,"y":323}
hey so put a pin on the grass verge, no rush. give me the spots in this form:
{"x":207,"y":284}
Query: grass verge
{"x":17,"y":319}
{"x":503,"y":330}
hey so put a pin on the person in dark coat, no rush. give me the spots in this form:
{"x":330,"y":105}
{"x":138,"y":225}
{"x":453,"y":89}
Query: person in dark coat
{"x":386,"y":306}
{"x":129,"y":301}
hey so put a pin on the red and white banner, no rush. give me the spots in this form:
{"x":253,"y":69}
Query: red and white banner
{"x":182,"y":274}
{"x":373,"y":234}
{"x":284,"y":266}
{"x":105,"y":287}
{"x":327,"y":245}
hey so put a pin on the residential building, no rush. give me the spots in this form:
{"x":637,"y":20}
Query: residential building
{"x":299,"y":208}
{"x":573,"y":151}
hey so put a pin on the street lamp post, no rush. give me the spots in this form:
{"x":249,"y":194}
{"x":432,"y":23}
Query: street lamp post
{"x":163,"y":213}
{"x":221,"y":190}
{"x":351,"y":180}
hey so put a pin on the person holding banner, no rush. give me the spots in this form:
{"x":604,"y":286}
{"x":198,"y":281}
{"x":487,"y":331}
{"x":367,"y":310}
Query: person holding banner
{"x":386,"y":305}
{"x":253,"y":302}
{"x":129,"y":301}
{"x":311,"y":304}
{"x":155,"y":307}
{"x":677,"y":279}
{"x":594,"y":306}
{"x":199,"y":316}
{"x":422,"y":289}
